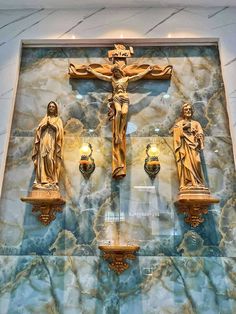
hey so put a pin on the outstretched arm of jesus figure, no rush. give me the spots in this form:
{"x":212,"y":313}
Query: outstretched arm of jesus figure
{"x":98,"y":75}
{"x":141,"y":74}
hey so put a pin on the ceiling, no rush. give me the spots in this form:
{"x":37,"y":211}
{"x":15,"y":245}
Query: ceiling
{"x":83,"y":4}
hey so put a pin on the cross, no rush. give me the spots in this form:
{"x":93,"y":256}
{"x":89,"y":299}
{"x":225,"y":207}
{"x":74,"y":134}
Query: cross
{"x":119,"y":74}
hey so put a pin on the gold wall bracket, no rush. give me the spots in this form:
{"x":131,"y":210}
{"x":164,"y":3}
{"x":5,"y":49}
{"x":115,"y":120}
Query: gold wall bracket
{"x":117,"y":254}
{"x":193,"y":213}
{"x":194,"y":203}
{"x":47,"y":202}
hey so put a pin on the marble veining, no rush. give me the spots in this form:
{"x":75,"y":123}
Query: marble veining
{"x":152,"y":285}
{"x":27,"y":28}
{"x":20,"y":18}
{"x":81,"y":21}
{"x":217,"y":12}
{"x":164,"y":20}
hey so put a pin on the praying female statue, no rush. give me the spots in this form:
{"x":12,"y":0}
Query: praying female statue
{"x":188,"y":142}
{"x":47,"y":151}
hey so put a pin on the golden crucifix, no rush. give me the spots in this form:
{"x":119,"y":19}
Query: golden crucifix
{"x":119,"y":74}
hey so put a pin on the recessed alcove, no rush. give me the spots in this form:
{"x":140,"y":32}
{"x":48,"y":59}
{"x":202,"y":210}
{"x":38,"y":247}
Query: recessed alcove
{"x":135,"y":210}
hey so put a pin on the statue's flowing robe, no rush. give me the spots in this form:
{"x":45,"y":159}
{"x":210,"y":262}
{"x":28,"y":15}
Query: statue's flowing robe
{"x":47,"y":151}
{"x":187,"y":153}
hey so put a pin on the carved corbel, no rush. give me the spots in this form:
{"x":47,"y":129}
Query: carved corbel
{"x":117,"y":254}
{"x":47,"y":202}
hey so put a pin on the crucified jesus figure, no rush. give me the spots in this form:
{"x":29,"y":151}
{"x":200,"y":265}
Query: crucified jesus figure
{"x":119,"y":74}
{"x":120,"y":98}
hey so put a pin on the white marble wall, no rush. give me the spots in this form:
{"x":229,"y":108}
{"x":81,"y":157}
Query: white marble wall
{"x":185,"y":22}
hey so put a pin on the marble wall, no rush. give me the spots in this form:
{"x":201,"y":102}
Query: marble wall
{"x":58,"y":269}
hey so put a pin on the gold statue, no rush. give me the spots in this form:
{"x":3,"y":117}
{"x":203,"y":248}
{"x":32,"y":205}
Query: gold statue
{"x":188,"y":142}
{"x":194,"y":197}
{"x":119,"y":105}
{"x":47,"y":157}
{"x":120,"y":98}
{"x":47,"y":151}
{"x":119,"y":74}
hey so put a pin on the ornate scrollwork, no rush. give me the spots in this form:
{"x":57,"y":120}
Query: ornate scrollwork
{"x":117,"y":254}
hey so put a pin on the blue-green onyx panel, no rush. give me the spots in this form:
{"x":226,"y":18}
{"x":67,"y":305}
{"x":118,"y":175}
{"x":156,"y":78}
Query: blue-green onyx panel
{"x":76,"y":284}
{"x":99,"y":209}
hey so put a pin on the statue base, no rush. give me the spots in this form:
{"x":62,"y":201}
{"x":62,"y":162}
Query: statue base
{"x":194,"y":202}
{"x":47,"y":202}
{"x":117,"y":254}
